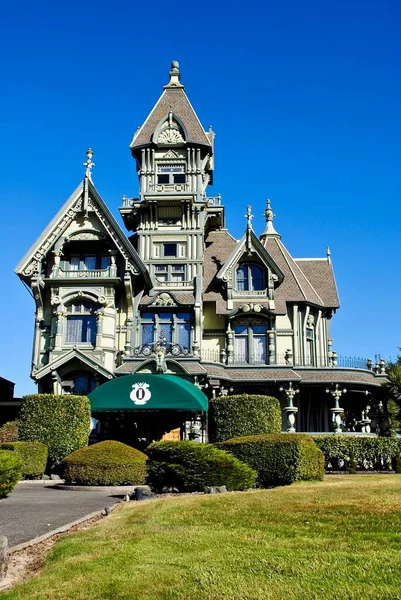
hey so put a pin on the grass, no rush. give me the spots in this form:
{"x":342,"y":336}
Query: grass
{"x":338,"y":539}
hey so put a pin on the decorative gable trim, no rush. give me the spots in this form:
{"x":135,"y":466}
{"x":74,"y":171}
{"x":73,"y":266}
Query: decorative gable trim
{"x":226,"y":271}
{"x":67,"y":357}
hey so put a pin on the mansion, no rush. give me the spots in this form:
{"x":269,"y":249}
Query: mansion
{"x":177,"y":295}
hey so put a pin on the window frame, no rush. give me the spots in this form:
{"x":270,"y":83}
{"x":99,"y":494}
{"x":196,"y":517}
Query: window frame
{"x":250,"y":336}
{"x":249,"y":278}
{"x":87,"y":316}
{"x":160,"y":321}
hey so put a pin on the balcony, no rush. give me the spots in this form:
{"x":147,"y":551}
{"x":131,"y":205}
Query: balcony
{"x":108,"y":273}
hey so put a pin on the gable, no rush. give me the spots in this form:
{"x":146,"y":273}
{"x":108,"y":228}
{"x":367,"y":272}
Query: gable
{"x":84,"y":216}
{"x":247,"y":246}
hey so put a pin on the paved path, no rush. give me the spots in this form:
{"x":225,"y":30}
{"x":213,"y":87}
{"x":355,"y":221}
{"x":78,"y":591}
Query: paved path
{"x":34,"y":509}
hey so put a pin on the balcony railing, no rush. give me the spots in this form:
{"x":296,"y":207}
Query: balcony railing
{"x":174,"y":284}
{"x":58,"y":272}
{"x":169,"y":187}
{"x":342,"y":362}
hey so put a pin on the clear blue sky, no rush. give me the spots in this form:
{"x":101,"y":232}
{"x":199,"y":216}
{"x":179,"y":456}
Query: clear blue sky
{"x":304,"y":97}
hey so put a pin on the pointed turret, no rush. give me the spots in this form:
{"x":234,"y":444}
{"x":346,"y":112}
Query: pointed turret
{"x":269,"y":216}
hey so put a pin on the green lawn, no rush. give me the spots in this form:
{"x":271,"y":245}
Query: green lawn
{"x":338,"y":539}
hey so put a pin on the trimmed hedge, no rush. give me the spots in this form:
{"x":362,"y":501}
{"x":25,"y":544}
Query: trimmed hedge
{"x":234,"y":416}
{"x":33,"y":456}
{"x":10,"y":472}
{"x":106,"y":463}
{"x":9,"y":432}
{"x":279,"y":459}
{"x":191,"y":466}
{"x":60,"y":422}
{"x":369,"y":453}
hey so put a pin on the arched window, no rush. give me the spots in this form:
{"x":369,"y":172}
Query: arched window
{"x":81,"y":323}
{"x":250,"y":341}
{"x":249,"y":277}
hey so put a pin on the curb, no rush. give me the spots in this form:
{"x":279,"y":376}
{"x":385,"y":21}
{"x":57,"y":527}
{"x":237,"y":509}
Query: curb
{"x":62,"y":529}
{"x":116,"y":490}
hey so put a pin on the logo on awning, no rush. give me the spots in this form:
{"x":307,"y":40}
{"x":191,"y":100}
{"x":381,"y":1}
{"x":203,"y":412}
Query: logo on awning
{"x":140,"y":394}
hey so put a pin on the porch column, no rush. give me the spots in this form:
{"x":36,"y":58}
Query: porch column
{"x":336,"y":411}
{"x":290,"y":409}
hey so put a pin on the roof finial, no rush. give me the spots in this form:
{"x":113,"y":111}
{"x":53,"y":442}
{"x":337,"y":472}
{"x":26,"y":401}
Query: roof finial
{"x":328,"y":255}
{"x":174,"y":76}
{"x":89,"y":164}
{"x":269,"y":216}
{"x":249,"y":217}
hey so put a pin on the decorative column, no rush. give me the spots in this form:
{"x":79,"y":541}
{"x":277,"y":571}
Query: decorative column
{"x":99,"y":329}
{"x":58,"y":338}
{"x":272,"y":347}
{"x":337,"y":410}
{"x":291,"y":410}
{"x":230,"y":345}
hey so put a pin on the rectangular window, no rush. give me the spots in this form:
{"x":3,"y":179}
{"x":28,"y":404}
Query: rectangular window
{"x":89,"y":263}
{"x":81,"y":328}
{"x":179,"y":178}
{"x":74,"y":263}
{"x":170,"y":250}
{"x":104,"y":262}
{"x":163,"y":179}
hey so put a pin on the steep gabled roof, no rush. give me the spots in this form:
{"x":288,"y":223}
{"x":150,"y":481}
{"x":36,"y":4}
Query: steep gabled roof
{"x":175,"y":100}
{"x":218,"y":246}
{"x":67,"y":213}
{"x":319,"y":272}
{"x":259,"y":250}
{"x":296,"y":287}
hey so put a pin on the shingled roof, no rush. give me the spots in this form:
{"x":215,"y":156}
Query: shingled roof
{"x":297,"y":287}
{"x":320,"y":274}
{"x":218,"y":246}
{"x":174,"y":100}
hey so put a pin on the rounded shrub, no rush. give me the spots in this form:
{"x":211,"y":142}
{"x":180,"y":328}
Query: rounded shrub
{"x":106,"y":463}
{"x":191,"y":466}
{"x":10,"y":471}
{"x":9,"y":432}
{"x":60,"y":422}
{"x":279,"y":459}
{"x":233,"y":416}
{"x":33,"y":456}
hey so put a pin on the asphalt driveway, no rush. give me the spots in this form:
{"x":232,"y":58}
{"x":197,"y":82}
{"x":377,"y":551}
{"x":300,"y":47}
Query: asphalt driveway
{"x":34,"y":509}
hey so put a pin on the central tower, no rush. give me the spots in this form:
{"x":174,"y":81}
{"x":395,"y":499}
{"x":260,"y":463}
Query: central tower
{"x":174,"y":160}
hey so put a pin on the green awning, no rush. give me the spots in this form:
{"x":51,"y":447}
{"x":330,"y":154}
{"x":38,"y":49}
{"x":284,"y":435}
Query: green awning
{"x":146,"y":392}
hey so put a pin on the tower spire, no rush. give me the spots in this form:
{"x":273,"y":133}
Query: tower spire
{"x":174,"y":76}
{"x":269,"y":216}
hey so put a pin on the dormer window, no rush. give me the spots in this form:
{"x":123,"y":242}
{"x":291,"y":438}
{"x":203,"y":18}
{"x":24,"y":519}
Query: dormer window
{"x":249,"y":277}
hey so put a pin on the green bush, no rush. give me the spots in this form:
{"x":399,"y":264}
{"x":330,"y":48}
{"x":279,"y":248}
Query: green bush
{"x":279,"y":459}
{"x":191,"y":466}
{"x":106,"y":463}
{"x":234,"y":416}
{"x":9,"y":432}
{"x":33,"y":456}
{"x":60,"y":422}
{"x":369,"y":453}
{"x":10,"y":472}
